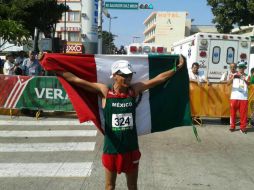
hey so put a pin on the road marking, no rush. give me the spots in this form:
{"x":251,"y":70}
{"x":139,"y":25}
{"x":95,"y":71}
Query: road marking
{"x":43,"y":122}
{"x":51,"y":133}
{"x":79,"y":169}
{"x":47,"y":147}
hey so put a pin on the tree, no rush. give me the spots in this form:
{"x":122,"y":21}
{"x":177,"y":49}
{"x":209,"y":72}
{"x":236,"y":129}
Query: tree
{"x":108,"y":45}
{"x":43,"y":14}
{"x":20,"y":17}
{"x":13,"y":32}
{"x":228,"y":13}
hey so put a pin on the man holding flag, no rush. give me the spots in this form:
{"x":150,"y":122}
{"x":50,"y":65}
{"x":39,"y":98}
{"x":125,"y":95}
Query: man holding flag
{"x":118,"y":101}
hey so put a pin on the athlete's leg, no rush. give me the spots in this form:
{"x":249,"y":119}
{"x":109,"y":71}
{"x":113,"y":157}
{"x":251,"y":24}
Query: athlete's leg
{"x":132,"y":179}
{"x":110,"y":179}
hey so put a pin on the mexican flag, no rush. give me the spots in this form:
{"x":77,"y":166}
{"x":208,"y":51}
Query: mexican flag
{"x":161,"y":108}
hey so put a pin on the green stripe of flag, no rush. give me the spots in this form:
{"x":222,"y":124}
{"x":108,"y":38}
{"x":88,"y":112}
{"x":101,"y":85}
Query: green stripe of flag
{"x":169,"y":102}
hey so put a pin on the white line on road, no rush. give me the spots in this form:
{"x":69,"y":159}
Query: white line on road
{"x":79,"y":169}
{"x":51,"y":133}
{"x":47,"y":147}
{"x":43,"y":122}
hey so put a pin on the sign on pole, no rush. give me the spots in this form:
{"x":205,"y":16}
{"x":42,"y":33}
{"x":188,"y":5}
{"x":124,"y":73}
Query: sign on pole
{"x":121,"y":5}
{"x":74,"y":47}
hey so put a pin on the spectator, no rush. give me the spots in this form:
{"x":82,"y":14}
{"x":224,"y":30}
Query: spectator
{"x":227,"y":75}
{"x":21,"y":57}
{"x":18,"y":71}
{"x":1,"y":65}
{"x":196,"y":76}
{"x":239,"y":98}
{"x":251,"y":77}
{"x":9,"y":64}
{"x":31,"y":65}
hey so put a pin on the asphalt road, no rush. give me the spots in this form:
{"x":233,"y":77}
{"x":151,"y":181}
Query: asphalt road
{"x":57,"y":154}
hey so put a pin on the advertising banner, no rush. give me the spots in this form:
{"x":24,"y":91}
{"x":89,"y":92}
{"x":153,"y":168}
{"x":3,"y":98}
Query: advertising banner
{"x":214,"y":100}
{"x":74,"y":47}
{"x":44,"y":93}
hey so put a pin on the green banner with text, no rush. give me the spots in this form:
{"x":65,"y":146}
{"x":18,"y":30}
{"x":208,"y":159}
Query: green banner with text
{"x":35,"y":93}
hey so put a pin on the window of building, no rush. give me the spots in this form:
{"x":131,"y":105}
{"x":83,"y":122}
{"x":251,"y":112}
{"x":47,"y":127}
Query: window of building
{"x":59,"y":35}
{"x":63,"y":17}
{"x":74,"y":16}
{"x":73,"y":36}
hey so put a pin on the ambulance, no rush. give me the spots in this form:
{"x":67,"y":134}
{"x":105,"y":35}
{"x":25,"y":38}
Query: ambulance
{"x":214,"y":52}
{"x":145,"y":48}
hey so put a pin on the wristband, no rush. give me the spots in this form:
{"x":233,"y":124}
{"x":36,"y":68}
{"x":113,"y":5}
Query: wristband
{"x":175,"y":68}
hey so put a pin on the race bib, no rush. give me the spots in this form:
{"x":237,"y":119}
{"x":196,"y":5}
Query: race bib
{"x":122,"y":121}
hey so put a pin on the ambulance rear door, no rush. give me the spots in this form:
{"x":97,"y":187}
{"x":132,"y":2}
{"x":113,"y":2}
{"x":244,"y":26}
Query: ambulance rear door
{"x":221,"y":54}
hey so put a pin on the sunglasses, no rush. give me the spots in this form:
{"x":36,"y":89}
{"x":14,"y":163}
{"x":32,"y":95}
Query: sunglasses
{"x":124,"y":75}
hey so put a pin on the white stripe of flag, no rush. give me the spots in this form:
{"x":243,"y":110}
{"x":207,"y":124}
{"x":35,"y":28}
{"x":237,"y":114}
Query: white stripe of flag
{"x":47,"y":147}
{"x":79,"y":169}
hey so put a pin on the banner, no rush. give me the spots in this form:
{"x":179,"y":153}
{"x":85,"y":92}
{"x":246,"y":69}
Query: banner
{"x":44,"y":93}
{"x":214,"y":100}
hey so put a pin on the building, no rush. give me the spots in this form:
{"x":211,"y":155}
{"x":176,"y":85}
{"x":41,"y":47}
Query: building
{"x":78,"y":26}
{"x":203,"y":28}
{"x":165,"y":28}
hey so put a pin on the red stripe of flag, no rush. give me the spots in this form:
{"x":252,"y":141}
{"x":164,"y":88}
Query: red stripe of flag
{"x":83,"y":66}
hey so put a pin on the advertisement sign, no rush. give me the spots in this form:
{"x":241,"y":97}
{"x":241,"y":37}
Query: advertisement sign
{"x":74,"y":47}
{"x":35,"y":93}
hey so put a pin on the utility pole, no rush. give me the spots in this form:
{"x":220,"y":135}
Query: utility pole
{"x":109,"y":32}
{"x":36,"y":38}
{"x":99,"y":27}
{"x":65,"y":19}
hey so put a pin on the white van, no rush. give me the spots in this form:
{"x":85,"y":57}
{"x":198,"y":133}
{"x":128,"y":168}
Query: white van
{"x":214,"y":52}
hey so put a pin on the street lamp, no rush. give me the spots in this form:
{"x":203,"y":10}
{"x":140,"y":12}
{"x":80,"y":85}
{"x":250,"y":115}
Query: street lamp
{"x":109,"y":31}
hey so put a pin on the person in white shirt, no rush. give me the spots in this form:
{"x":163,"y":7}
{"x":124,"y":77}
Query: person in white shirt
{"x":239,"y":98}
{"x":9,"y":65}
{"x":227,"y":75}
{"x":196,"y":76}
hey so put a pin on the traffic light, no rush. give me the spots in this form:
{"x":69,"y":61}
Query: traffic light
{"x":145,"y":6}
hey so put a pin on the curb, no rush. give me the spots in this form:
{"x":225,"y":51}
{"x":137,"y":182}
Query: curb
{"x":17,"y":112}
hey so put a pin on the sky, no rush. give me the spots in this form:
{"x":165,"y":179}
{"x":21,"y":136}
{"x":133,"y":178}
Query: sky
{"x":129,"y":23}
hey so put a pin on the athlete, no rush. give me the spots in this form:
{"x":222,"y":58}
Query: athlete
{"x":121,"y":150}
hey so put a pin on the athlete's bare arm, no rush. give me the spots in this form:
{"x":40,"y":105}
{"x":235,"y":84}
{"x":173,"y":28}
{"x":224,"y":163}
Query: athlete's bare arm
{"x":97,"y":88}
{"x":162,"y":77}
